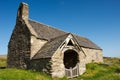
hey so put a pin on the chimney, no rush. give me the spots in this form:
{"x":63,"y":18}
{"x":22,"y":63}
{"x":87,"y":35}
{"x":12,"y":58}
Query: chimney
{"x":22,"y":11}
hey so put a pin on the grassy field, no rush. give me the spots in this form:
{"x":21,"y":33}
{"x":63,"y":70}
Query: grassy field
{"x":95,"y":71}
{"x":110,"y":70}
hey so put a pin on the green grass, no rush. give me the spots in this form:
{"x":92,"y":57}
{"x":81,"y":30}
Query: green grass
{"x":110,"y":70}
{"x":97,"y":71}
{"x":17,"y":74}
{"x":102,"y":71}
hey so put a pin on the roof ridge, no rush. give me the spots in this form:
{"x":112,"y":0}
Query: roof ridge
{"x":50,"y":26}
{"x":39,"y":22}
{"x":79,"y":36}
{"x":59,"y":36}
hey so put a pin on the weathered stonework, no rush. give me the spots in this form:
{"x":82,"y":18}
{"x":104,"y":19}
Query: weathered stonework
{"x":93,"y":55}
{"x":43,"y":65}
{"x":58,"y":69}
{"x":36,"y":45}
{"x":82,"y":65}
{"x":19,"y":47}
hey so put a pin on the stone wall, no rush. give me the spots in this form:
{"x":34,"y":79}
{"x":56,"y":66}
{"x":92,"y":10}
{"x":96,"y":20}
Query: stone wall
{"x":93,"y":55}
{"x":19,"y":47}
{"x":42,"y":64}
{"x":58,"y":69}
{"x":82,"y":65}
{"x":36,"y":45}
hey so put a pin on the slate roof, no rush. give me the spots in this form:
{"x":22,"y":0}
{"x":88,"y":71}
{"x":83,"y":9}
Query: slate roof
{"x":44,"y":31}
{"x":55,"y":37}
{"x":85,"y":42}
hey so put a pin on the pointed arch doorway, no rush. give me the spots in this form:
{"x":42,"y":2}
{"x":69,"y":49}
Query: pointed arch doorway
{"x":71,"y":60}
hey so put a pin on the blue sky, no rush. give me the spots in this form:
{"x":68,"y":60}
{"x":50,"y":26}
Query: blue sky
{"x":98,"y":20}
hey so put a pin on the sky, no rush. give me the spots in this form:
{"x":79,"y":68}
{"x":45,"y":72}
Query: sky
{"x":98,"y":20}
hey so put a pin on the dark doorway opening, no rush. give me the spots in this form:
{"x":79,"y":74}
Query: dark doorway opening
{"x":70,"y":59}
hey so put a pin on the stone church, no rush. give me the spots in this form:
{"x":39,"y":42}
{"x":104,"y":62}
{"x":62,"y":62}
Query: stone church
{"x":40,"y":47}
